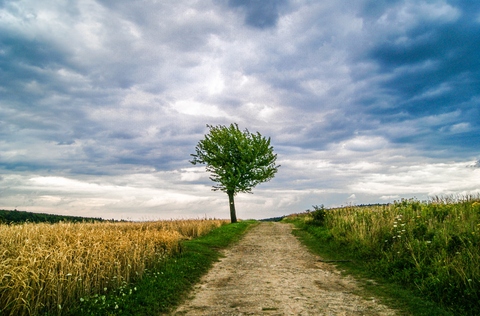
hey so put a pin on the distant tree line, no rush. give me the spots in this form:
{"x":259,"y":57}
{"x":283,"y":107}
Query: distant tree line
{"x":273,"y":219}
{"x":16,"y":217}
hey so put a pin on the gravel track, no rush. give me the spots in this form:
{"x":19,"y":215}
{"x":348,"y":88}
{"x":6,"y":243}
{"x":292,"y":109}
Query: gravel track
{"x":269,"y":272}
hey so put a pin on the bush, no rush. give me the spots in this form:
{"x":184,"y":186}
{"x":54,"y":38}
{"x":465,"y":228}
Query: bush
{"x":319,"y":214}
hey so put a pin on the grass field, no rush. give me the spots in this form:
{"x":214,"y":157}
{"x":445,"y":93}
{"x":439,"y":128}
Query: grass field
{"x":48,"y":268}
{"x":431,"y":247}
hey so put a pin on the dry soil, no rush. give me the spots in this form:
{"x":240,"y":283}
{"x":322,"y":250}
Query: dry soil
{"x":269,"y":272}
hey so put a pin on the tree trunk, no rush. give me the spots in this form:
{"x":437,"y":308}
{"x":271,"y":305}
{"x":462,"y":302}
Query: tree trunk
{"x":233,"y":216}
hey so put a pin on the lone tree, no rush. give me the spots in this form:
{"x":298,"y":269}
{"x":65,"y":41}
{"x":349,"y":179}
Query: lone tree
{"x":237,"y":160}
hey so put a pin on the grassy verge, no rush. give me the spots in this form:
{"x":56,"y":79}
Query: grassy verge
{"x":406,"y":302}
{"x":165,"y":286}
{"x":430,"y":247}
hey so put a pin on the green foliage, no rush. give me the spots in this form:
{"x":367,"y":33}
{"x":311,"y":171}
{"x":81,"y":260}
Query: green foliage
{"x":430,"y":247}
{"x":16,"y":217}
{"x":237,"y":160}
{"x":319,"y":214}
{"x":165,"y":286}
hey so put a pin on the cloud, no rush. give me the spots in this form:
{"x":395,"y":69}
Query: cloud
{"x":389,"y":197}
{"x":363,"y":143}
{"x":475,"y":164}
{"x":426,"y":180}
{"x":259,"y":14}
{"x":377,"y":99}
{"x":428,"y":52}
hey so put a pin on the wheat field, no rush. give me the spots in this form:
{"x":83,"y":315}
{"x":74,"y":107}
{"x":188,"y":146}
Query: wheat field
{"x":49,"y":267}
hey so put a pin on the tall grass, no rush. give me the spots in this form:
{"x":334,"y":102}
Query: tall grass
{"x":431,"y":246}
{"x":47,"y":268}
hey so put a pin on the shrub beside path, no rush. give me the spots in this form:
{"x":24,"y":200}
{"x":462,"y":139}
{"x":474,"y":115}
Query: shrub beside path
{"x":269,"y":272}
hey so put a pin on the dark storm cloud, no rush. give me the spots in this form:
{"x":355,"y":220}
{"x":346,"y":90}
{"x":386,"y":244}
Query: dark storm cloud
{"x":445,"y":59}
{"x":26,"y":62}
{"x":260,"y":13}
{"x":427,"y":64}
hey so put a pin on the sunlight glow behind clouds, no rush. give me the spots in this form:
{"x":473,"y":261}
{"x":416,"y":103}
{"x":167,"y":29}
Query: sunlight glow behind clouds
{"x":191,"y":107}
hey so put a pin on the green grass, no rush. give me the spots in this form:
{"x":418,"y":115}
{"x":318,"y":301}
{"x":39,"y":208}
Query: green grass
{"x":429,"y":249}
{"x":404,"y":301}
{"x":166,"y":286}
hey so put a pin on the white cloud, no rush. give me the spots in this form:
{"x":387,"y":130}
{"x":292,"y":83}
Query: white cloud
{"x":412,"y":13}
{"x":191,"y":107}
{"x":364,"y":143}
{"x":389,"y":197}
{"x":460,"y":128}
{"x":423,"y":179}
{"x":193,"y":174}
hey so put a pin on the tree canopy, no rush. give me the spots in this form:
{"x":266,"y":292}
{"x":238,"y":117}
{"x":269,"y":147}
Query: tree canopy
{"x":237,"y":160}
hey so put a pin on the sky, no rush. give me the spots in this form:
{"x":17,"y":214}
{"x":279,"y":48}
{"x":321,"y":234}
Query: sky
{"x":103,"y":101}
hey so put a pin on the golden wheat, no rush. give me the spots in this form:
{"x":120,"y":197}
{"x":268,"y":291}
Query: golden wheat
{"x":47,"y":267}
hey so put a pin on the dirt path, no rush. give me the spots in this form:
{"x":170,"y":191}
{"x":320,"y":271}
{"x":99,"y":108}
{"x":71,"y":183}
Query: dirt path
{"x":269,"y":272}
